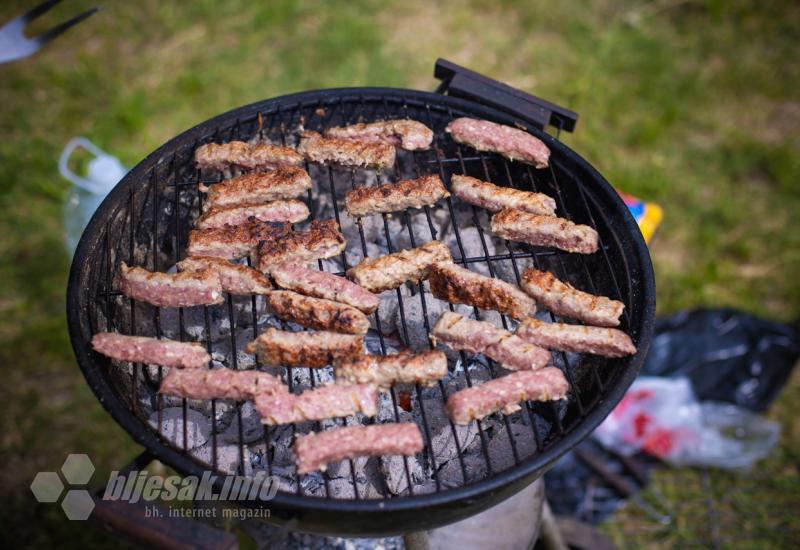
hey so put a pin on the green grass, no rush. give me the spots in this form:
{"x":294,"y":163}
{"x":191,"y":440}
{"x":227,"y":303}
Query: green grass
{"x":689,"y":104}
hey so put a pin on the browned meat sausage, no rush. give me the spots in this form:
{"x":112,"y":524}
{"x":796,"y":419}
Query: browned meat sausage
{"x":152,"y":351}
{"x":220,"y":383}
{"x":329,"y":401}
{"x":392,"y":197}
{"x":494,"y":197}
{"x":317,"y":313}
{"x":291,"y":211}
{"x":321,"y":240}
{"x":308,"y":349}
{"x":387,"y":272}
{"x":316,"y":450}
{"x":406,"y":134}
{"x":190,"y":288}
{"x":512,"y":143}
{"x":238,"y":154}
{"x":235,"y":278}
{"x":232,"y":243}
{"x":515,"y":225}
{"x":257,"y":188}
{"x":458,"y":285}
{"x":506,"y":393}
{"x":346,"y":152}
{"x":509,"y":350}
{"x":563,"y":299}
{"x":387,"y":370}
{"x":608,"y":342}
{"x":324,"y":285}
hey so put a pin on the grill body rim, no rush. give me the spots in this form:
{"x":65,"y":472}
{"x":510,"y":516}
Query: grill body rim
{"x":363,"y":516}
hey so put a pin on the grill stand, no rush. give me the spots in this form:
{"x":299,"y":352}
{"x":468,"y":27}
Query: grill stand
{"x":514,"y":523}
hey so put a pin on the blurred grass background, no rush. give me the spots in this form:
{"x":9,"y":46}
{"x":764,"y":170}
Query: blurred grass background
{"x":691,"y":104}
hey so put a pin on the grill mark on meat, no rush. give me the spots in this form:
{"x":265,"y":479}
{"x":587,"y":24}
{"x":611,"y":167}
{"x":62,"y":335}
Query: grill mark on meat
{"x":494,"y":197}
{"x":512,"y":143}
{"x":387,"y":370}
{"x":257,"y":188}
{"x":322,"y":240}
{"x":221,"y":383}
{"x":391,"y":271}
{"x":317,"y":313}
{"x":608,"y":342}
{"x":560,"y":233}
{"x":563,"y":299}
{"x":324,"y":285}
{"x":238,"y":154}
{"x":458,"y":285}
{"x":189,"y":288}
{"x":406,"y":134}
{"x":235,"y":278}
{"x":330,"y":401}
{"x":512,"y":352}
{"x":277,"y":348}
{"x":347,"y":152}
{"x":392,"y":197}
{"x":152,"y":351}
{"x":506,"y":393}
{"x":290,"y":211}
{"x":315,"y":451}
{"x":233,"y":242}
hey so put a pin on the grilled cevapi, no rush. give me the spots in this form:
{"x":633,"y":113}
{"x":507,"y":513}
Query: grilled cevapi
{"x":322,"y":240}
{"x":565,"y":300}
{"x":220,"y":383}
{"x":244,"y":156}
{"x":277,"y":348}
{"x":388,"y":272}
{"x":525,"y":227}
{"x":234,"y":242}
{"x":316,"y":450}
{"x":317,"y":313}
{"x":459,"y":285}
{"x":323,"y":285}
{"x":235,"y":278}
{"x":512,"y":143}
{"x":405,"y":134}
{"x":506,"y":393}
{"x":509,"y":350}
{"x":289,"y":211}
{"x":608,"y":342}
{"x":385,"y":371}
{"x":257,"y":188}
{"x":189,"y":288}
{"x":151,"y":351}
{"x":494,"y":197}
{"x":346,"y":152}
{"x":319,"y":403}
{"x":393,"y":197}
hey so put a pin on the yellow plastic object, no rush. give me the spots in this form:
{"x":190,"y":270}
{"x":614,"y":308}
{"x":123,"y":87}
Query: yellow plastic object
{"x":647,"y":214}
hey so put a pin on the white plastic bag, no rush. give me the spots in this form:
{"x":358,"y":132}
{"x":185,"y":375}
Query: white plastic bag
{"x":662,"y":417}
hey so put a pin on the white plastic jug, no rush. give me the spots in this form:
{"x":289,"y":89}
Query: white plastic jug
{"x":103,"y":173}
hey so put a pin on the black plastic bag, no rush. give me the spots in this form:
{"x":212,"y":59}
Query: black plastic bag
{"x":728,"y":355}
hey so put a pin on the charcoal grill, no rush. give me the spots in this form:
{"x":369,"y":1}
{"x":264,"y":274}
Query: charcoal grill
{"x":145,"y":221}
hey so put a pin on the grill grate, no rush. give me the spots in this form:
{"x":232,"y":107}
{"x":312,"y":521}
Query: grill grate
{"x":150,"y":228}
